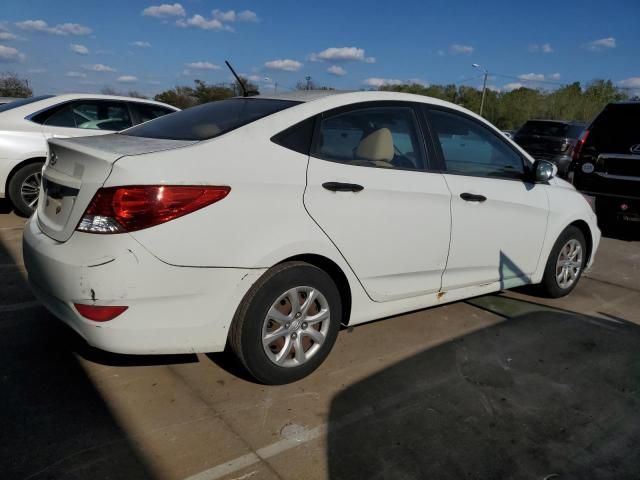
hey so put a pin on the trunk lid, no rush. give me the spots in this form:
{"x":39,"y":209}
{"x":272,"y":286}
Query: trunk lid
{"x":544,"y":147}
{"x":74,"y":171}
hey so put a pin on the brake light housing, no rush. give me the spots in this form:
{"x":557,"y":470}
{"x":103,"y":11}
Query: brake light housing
{"x":99,"y":313}
{"x":577,"y":150}
{"x":130,"y":208}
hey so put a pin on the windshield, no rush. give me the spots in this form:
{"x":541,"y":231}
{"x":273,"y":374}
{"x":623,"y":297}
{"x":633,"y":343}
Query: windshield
{"x":21,"y":102}
{"x":209,"y":120}
{"x":551,"y":129}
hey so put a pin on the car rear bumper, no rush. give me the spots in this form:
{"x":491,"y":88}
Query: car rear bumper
{"x":171,"y":309}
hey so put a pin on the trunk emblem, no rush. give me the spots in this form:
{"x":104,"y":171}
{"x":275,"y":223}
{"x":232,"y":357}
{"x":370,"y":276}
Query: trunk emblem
{"x":635,"y":148}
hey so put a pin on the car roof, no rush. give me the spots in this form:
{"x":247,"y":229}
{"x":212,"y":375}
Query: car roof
{"x":302,"y":95}
{"x":567,"y":122}
{"x":100,"y":96}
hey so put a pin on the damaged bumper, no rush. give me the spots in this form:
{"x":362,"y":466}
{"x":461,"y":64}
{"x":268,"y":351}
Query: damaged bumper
{"x":171,"y":309}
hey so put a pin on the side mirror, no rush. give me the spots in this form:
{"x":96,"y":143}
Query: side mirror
{"x":544,"y":171}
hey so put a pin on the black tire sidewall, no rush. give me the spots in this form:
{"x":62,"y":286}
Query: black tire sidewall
{"x":15,"y":183}
{"x":549,"y":281}
{"x":254,"y":357}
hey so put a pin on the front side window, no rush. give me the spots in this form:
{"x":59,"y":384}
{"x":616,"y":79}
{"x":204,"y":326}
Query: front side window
{"x":90,"y":114}
{"x":469,"y":148}
{"x":386,"y":137}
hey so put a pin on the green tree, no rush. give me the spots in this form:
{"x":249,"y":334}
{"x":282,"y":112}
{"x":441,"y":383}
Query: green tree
{"x":11,"y":85}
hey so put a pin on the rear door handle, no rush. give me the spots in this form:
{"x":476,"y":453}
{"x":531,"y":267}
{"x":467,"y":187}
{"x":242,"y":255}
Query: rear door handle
{"x":342,"y":187}
{"x":471,"y":197}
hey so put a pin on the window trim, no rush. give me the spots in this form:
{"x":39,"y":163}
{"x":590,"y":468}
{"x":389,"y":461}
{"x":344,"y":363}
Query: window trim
{"x":373,"y":104}
{"x":427,"y":108}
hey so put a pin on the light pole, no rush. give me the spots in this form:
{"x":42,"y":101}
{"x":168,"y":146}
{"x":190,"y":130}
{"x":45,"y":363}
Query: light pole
{"x":484,"y":85}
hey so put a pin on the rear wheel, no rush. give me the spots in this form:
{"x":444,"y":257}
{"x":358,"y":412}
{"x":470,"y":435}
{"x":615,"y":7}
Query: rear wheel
{"x":565,"y":264}
{"x":24,"y":188}
{"x":287,"y":324}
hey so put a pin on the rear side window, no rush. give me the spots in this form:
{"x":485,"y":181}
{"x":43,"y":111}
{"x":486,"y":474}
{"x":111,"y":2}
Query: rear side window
{"x":616,"y":129}
{"x":145,"y":112}
{"x":545,"y":129}
{"x":385,"y":137}
{"x":87,"y":114}
{"x":297,"y":138}
{"x":209,"y":120}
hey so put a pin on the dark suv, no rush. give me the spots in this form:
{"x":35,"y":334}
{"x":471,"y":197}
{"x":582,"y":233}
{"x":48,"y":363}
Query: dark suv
{"x":607,"y":163}
{"x":552,"y":140}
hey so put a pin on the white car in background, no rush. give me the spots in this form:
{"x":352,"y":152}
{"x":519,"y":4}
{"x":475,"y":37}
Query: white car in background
{"x":268,"y":222}
{"x":27,"y":124}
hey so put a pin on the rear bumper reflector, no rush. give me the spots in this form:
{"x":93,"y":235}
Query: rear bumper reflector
{"x":99,"y":313}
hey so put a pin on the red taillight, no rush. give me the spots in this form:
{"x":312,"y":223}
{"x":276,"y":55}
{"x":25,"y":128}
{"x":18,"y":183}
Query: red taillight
{"x":126,"y":209}
{"x":577,"y":150}
{"x":99,"y":313}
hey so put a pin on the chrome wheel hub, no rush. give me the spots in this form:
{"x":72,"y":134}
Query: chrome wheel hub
{"x":295,"y":326}
{"x":569,"y":264}
{"x":30,"y":189}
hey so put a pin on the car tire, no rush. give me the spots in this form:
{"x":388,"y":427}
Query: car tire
{"x":565,"y":263}
{"x":269,"y":312}
{"x":25,"y":178}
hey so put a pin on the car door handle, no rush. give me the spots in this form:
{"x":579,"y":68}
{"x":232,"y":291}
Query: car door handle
{"x":471,"y":197}
{"x":342,"y":187}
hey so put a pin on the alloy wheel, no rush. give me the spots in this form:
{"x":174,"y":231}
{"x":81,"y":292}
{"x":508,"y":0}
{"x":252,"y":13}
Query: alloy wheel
{"x":569,"y":264}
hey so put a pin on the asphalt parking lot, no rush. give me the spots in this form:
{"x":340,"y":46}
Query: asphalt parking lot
{"x":502,"y":386}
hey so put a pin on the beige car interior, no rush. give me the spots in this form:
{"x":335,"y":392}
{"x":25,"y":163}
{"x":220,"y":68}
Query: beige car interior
{"x":376,"y":149}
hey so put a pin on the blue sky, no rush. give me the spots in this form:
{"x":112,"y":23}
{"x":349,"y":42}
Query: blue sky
{"x":69,"y":45}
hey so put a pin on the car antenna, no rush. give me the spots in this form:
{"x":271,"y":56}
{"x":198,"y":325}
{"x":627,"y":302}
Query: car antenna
{"x":245,"y":92}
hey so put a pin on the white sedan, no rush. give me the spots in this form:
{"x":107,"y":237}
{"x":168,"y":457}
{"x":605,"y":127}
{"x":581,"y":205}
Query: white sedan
{"x":266,"y":223}
{"x":26,"y":124}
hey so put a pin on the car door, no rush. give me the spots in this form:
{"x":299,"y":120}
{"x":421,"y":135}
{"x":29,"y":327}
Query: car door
{"x":86,"y":117}
{"x":499,"y":219}
{"x":367,"y":188}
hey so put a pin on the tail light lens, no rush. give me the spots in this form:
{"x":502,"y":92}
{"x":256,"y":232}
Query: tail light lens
{"x":99,"y":313}
{"x":577,"y":150}
{"x":127,"y":209}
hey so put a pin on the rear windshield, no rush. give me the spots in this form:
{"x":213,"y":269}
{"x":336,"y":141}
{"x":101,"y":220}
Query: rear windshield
{"x":617,"y":128}
{"x":551,"y":129}
{"x":209,"y":120}
{"x":21,"y":102}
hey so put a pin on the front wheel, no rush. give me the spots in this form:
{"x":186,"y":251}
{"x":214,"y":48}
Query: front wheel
{"x":24,"y":188}
{"x":287,"y":323}
{"x":565,"y":264}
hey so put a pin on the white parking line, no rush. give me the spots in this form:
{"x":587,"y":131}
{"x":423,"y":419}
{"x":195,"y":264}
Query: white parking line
{"x":15,"y":307}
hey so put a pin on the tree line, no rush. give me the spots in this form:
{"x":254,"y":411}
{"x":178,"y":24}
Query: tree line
{"x":507,"y":110}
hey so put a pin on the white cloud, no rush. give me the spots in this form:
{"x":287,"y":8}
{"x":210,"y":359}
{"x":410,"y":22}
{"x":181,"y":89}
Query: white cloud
{"x":457,"y":49}
{"x":554,"y":76}
{"x":441,"y":53}
{"x":287,"y":65}
{"x":79,"y":49}
{"x":202,"y":66}
{"x":601,"y":44}
{"x":512,"y":86}
{"x":494,"y":88}
{"x":99,"y":67}
{"x":10,"y":54}
{"x":248,"y":16}
{"x":342,"y":54}
{"x":75,"y":75}
{"x":140,"y":44}
{"x":336,"y":70}
{"x":544,"y":48}
{"x":381,"y":82}
{"x":164,"y":10}
{"x":127,"y":79}
{"x":229,"y":16}
{"x":418,"y":81}
{"x":632,"y":82}
{"x":198,"y":21}
{"x":60,"y":29}
{"x":531,"y":77}
{"x":7,"y":36}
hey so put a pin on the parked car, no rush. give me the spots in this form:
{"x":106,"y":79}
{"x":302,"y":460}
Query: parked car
{"x":4,"y":100}
{"x":551,"y":140}
{"x":26,"y":124}
{"x":267,"y":222}
{"x":607,"y":163}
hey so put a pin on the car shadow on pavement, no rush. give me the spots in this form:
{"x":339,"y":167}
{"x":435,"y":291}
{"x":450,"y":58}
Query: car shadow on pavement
{"x":543,"y":394}
{"x":5,"y":206}
{"x":53,"y":421}
{"x":629,"y":232}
